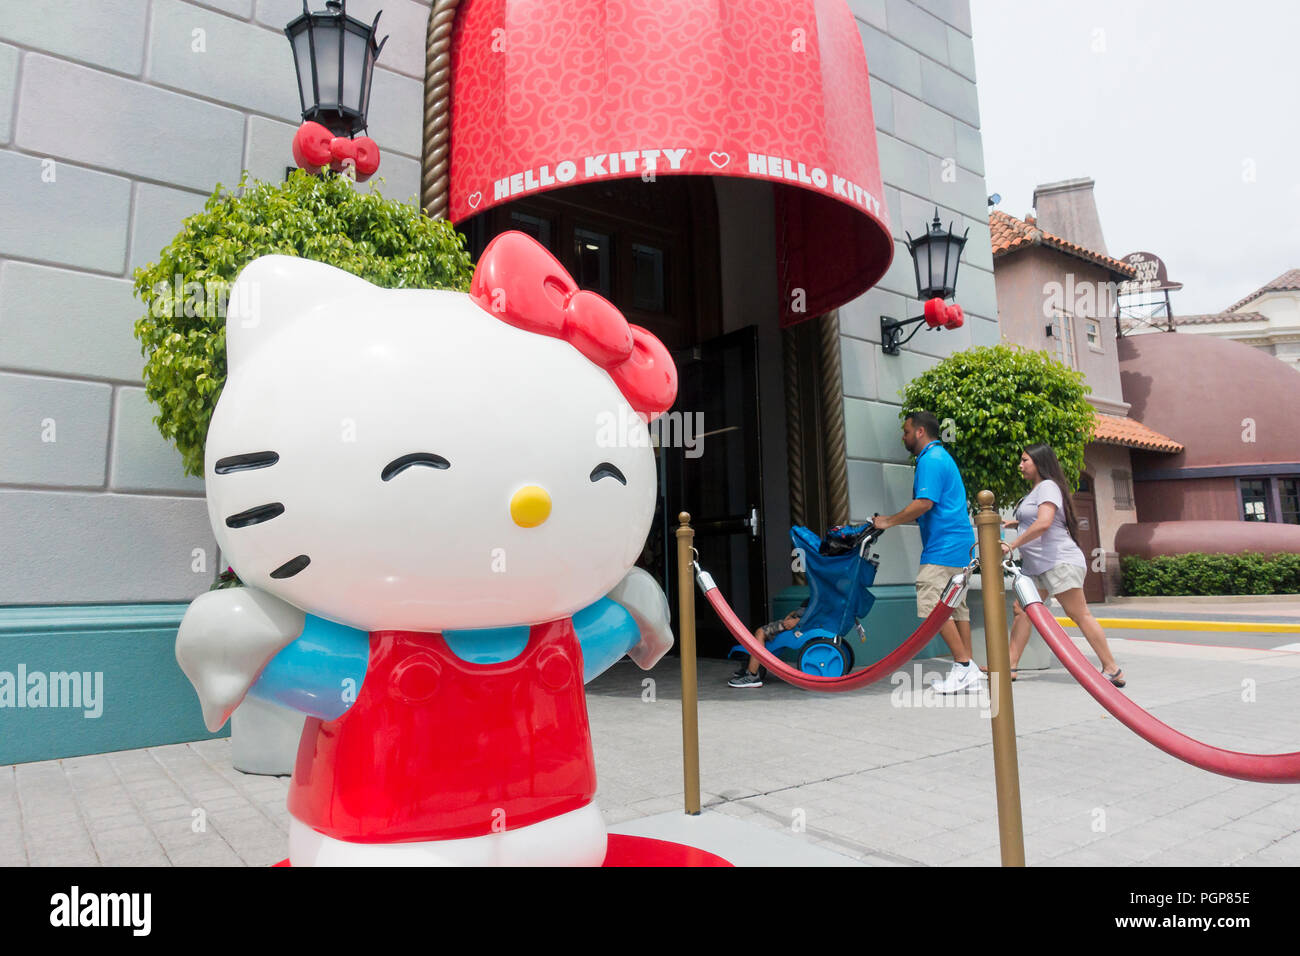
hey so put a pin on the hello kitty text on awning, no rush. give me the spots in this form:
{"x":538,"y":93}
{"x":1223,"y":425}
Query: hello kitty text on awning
{"x":561,"y":92}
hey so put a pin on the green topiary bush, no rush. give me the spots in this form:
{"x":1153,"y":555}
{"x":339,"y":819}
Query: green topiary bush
{"x":183,"y":335}
{"x":1211,"y":574}
{"x":995,"y":400}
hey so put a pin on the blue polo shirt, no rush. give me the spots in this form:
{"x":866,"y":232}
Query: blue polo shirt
{"x":946,"y":530}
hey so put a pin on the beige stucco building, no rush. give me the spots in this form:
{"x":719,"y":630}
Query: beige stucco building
{"x":1057,"y":295}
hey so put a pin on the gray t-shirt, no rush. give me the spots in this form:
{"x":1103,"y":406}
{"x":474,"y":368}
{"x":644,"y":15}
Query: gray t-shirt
{"x":1054,"y":546}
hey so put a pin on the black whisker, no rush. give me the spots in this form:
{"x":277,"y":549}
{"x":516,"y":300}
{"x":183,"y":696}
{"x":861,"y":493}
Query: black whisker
{"x":606,"y":470}
{"x":255,"y":459}
{"x":291,"y":567}
{"x":255,"y":515}
{"x":399,"y":465}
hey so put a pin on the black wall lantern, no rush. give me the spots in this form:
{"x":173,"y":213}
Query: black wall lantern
{"x":936,"y":255}
{"x":334,"y":55}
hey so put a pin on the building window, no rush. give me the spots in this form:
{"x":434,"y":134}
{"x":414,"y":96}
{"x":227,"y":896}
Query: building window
{"x":1093,"y":330}
{"x":1288,"y":493}
{"x":1254,"y":499}
{"x":1123,"y":491}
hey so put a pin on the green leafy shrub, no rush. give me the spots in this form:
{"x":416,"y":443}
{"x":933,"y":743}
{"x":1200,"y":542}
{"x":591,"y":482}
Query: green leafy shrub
{"x":183,"y":335}
{"x":1210,"y":574}
{"x":995,"y":400}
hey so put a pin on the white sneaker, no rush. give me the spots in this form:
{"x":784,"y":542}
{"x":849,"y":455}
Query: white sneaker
{"x":961,"y":677}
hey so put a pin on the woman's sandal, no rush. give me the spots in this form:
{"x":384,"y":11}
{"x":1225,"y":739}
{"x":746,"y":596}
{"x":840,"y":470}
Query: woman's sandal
{"x":1116,"y":678}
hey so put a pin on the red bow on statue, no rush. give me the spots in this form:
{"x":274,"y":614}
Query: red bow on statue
{"x":315,"y":147}
{"x":520,"y":282}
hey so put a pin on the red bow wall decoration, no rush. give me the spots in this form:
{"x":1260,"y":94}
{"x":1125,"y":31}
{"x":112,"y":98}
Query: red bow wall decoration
{"x":315,"y":147}
{"x":520,"y":282}
{"x":939,"y":313}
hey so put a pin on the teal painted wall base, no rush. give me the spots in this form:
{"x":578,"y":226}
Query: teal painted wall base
{"x":144,"y":699}
{"x":892,"y":619}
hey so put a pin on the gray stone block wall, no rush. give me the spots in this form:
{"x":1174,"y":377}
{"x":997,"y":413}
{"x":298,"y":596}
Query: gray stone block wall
{"x":117,"y":119}
{"x":924,"y":97}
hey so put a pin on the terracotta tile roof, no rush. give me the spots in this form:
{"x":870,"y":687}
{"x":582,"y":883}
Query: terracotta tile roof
{"x":1288,"y":281}
{"x":1112,"y":430}
{"x":1207,"y":319}
{"x":1010,"y":234}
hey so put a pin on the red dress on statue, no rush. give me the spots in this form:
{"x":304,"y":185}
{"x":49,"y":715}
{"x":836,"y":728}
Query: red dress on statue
{"x":435,"y":748}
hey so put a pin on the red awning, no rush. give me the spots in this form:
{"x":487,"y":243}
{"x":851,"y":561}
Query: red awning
{"x":549,"y":93}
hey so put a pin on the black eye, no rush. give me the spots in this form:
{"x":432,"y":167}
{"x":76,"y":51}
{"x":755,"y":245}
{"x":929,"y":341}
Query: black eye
{"x":606,"y":470}
{"x":256,"y":459}
{"x":399,"y":465}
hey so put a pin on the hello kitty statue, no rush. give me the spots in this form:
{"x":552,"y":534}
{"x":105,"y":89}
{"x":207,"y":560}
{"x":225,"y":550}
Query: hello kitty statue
{"x":437,"y":538}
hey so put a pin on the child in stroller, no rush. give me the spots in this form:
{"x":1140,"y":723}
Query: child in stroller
{"x":839,"y":574}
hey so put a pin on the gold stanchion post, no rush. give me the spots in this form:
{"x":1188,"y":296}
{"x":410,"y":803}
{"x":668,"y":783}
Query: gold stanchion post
{"x":1006,"y":771}
{"x":690,"y":691}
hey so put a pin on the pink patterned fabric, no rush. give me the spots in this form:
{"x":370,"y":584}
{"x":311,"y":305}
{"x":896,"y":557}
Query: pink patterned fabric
{"x":547,"y":94}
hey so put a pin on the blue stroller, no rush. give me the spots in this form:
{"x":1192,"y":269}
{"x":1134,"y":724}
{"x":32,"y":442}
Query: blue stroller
{"x":839,"y":574}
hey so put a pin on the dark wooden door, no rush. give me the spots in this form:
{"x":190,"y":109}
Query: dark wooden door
{"x":716,"y":477}
{"x":1085,"y":511}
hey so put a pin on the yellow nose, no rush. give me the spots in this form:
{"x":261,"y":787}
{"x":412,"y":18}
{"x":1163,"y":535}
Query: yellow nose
{"x":530,"y":506}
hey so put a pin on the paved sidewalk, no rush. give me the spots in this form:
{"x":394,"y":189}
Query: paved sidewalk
{"x":863,"y":774}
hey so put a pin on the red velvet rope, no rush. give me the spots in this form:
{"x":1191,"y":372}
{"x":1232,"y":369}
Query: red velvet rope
{"x":886,"y":665}
{"x":1261,"y":768}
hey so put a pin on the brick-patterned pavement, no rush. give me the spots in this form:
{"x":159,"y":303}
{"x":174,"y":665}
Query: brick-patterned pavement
{"x":858,"y":774}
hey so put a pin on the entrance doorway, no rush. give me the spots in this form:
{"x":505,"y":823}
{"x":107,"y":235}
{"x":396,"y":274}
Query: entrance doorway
{"x":652,"y":249}
{"x":1085,"y":511}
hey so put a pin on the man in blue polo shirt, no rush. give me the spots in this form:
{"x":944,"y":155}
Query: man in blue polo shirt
{"x":939,"y":507}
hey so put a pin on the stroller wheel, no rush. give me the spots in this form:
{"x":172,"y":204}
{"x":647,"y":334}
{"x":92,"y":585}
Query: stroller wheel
{"x":822,"y":657}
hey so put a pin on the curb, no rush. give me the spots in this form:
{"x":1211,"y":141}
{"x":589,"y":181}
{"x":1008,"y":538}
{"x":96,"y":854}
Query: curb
{"x":1153,"y":624}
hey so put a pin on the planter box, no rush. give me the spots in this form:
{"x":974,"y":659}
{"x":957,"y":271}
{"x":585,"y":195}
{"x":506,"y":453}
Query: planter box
{"x":1037,"y":655}
{"x":139,"y":696}
{"x":264,"y":737}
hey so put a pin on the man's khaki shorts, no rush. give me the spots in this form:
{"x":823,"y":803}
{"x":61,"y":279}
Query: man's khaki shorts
{"x":931,"y":579}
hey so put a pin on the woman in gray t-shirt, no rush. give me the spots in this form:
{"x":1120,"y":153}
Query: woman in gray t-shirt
{"x":1047,"y":536}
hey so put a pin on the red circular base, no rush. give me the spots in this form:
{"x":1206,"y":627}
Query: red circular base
{"x":643,"y":851}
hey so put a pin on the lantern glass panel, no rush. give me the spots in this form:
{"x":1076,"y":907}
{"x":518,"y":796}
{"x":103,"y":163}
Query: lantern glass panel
{"x":302,"y":57}
{"x":327,"y":64}
{"x":354,"y":68}
{"x":954,"y":261}
{"x":937,"y":252}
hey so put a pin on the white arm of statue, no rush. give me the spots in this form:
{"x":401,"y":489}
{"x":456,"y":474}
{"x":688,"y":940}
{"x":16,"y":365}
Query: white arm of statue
{"x":640,"y":593}
{"x":225,"y":640}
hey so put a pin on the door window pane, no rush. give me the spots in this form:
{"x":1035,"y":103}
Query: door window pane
{"x":1254,"y":500}
{"x":1289,"y":493}
{"x":592,"y":255}
{"x":1063,"y":332}
{"x":535,"y":226}
{"x":647,"y":278}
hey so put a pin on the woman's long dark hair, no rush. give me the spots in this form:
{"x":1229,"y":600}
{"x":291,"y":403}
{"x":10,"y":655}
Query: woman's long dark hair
{"x":1049,"y":468}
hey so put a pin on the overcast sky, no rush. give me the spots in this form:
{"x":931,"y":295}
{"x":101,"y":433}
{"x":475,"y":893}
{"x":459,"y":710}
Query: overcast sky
{"x":1185,"y":112}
